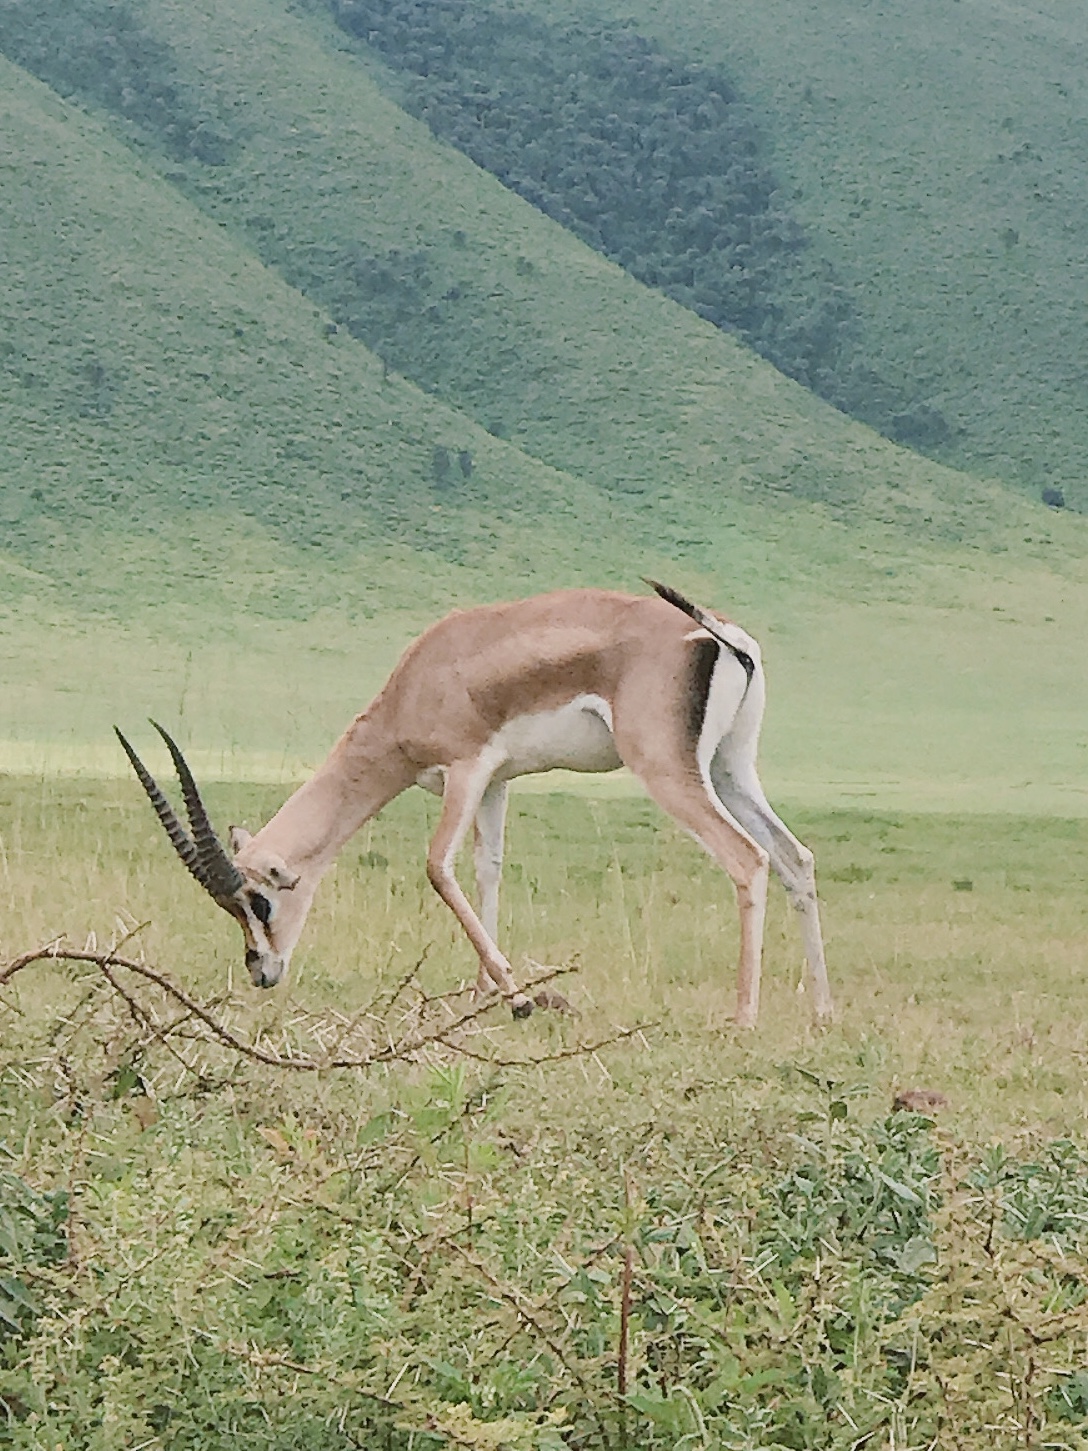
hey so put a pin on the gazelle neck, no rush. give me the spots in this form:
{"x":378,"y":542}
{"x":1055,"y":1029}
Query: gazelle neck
{"x":362,"y":773}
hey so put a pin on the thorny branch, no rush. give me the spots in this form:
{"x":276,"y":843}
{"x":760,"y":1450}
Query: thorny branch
{"x":442,"y":1034}
{"x":529,"y":1316}
{"x":264,"y":1360}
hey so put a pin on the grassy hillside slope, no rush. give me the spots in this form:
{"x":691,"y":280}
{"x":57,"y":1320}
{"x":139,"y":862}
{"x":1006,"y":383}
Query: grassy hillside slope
{"x":152,"y":369}
{"x":936,"y":151}
{"x":189,"y":459}
{"x":513,"y":320}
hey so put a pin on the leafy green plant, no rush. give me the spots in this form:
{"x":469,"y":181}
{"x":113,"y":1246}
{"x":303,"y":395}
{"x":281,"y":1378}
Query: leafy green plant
{"x":342,"y":1273}
{"x":32,"y":1235}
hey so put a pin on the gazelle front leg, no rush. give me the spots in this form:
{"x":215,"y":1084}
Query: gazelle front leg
{"x":466,"y":786}
{"x":487,"y":858}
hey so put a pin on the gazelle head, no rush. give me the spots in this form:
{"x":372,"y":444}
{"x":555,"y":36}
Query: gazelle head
{"x":259,"y":890}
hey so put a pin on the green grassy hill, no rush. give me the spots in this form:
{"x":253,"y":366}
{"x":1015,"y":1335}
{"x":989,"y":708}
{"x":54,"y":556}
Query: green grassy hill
{"x":190,"y":458}
{"x":499,"y":312}
{"x":153,"y":369}
{"x":935,"y":153}
{"x":219,"y":506}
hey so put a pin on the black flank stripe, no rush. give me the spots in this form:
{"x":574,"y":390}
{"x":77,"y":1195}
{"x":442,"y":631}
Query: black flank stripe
{"x":704,"y":659}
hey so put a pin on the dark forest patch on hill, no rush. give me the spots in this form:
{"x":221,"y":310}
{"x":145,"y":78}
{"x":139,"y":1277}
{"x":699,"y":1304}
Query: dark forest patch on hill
{"x":102,"y":53}
{"x":653,"y":160}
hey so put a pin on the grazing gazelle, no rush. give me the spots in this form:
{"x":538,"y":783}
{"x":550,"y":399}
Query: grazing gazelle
{"x":583,"y":679}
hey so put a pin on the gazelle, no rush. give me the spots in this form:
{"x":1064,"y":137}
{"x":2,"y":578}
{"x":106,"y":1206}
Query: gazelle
{"x":583,"y":679}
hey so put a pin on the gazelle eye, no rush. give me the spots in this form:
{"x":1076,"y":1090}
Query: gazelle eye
{"x":262,"y":908}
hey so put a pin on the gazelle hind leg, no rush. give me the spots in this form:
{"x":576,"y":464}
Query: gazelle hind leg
{"x":466,"y":786}
{"x":487,"y":858}
{"x":741,"y":792}
{"x":687,"y":800}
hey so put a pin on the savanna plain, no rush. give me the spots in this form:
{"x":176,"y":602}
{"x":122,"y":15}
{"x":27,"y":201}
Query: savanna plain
{"x":542,"y":1233}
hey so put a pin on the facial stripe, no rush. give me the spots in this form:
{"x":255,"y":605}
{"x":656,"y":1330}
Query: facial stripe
{"x":262,"y":908}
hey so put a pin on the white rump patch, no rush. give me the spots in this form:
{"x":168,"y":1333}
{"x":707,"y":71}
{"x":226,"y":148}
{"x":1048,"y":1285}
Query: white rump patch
{"x":734,"y":708}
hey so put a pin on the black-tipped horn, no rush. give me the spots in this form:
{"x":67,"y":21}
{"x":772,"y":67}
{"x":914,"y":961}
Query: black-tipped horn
{"x":222,"y":877}
{"x":180,"y":839}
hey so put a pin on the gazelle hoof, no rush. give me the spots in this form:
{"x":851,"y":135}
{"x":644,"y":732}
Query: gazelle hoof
{"x":548,"y":998}
{"x":919,"y":1100}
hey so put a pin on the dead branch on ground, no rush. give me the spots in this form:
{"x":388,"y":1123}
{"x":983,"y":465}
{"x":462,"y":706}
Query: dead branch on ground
{"x":436,"y":1024}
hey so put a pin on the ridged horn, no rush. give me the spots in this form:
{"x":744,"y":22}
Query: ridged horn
{"x":180,"y":839}
{"x":221,"y":877}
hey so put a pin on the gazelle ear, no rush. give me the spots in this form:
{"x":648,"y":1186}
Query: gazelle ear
{"x":281,"y":875}
{"x":238,"y":838}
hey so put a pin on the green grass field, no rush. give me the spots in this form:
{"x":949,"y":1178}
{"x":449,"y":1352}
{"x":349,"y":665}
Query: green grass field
{"x":241,"y":531}
{"x":434,"y":1251}
{"x":940,"y":682}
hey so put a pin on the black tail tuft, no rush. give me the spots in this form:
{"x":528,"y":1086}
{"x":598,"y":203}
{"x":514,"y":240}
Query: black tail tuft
{"x":673,"y":597}
{"x":709,"y":624}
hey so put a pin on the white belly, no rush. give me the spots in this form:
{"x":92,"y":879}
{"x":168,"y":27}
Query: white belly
{"x":576,"y":737}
